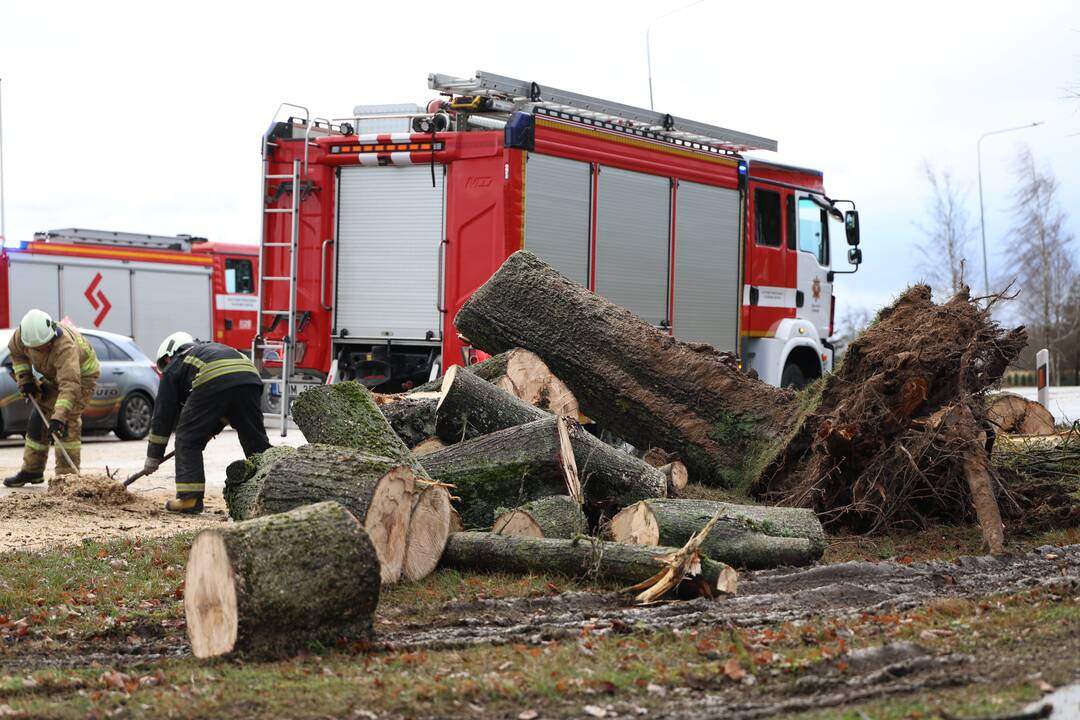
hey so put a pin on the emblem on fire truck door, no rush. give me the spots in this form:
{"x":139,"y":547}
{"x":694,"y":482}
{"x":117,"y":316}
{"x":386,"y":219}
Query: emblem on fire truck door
{"x":815,"y":289}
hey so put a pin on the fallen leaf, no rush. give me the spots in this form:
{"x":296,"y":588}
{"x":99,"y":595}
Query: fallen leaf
{"x":734,"y":670}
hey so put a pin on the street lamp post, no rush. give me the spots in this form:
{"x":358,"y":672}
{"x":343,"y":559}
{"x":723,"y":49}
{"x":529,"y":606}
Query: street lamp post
{"x":648,"y":46}
{"x":982,"y":219}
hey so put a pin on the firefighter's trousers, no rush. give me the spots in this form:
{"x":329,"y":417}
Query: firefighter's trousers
{"x":203,"y":416}
{"x":36,"y":449}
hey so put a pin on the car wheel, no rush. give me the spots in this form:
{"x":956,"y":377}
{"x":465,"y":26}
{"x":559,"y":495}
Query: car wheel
{"x":135,"y":414}
{"x":793,"y":377}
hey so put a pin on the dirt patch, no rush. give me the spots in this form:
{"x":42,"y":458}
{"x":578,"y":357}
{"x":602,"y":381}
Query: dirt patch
{"x":96,"y":509}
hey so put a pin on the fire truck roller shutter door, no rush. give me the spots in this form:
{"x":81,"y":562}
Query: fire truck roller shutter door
{"x":707,"y":293}
{"x":633,"y":225}
{"x":34,"y":283}
{"x":558,"y":211}
{"x":390,"y":225}
{"x":164,"y":298}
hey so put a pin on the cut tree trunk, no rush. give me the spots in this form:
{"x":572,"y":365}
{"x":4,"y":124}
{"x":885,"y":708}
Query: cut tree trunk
{"x":244,"y":479}
{"x":471,"y":407}
{"x":747,"y":536}
{"x":610,"y":478}
{"x":276,"y":585}
{"x":580,"y":557}
{"x":507,"y":468}
{"x":1016,"y":415}
{"x":377,"y":490}
{"x":428,"y":446}
{"x":639,"y":383}
{"x":558,"y":516}
{"x":413,"y":419}
{"x":346,"y":414}
{"x":678,"y":477}
{"x":429,"y":526}
{"x":490,"y":369}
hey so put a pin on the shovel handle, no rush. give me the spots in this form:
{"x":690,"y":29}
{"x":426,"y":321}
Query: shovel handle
{"x":55,"y":437}
{"x":142,"y":473}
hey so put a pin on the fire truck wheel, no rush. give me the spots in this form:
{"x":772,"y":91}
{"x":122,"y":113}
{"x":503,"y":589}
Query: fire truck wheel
{"x":134,"y":420}
{"x":793,"y":377}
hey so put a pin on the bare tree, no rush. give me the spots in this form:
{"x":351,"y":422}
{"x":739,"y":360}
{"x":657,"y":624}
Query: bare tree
{"x":1041,"y":258}
{"x":948,"y":232}
{"x":852,"y":322}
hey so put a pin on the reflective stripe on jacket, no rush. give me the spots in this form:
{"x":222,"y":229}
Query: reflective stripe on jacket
{"x":64,"y":363}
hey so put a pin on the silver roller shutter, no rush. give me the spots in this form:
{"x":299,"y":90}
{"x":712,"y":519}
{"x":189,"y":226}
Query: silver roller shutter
{"x":558,"y":195}
{"x":632,"y":246}
{"x":390,"y":225}
{"x":707,"y":294}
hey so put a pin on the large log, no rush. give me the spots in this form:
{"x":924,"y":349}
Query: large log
{"x":747,"y":536}
{"x":276,"y":585}
{"x":1013,"y":414}
{"x":558,"y":516}
{"x":677,"y":477}
{"x":633,"y":380}
{"x":507,"y":468}
{"x":377,"y":490}
{"x":412,"y":418}
{"x":429,"y":526}
{"x":471,"y":407}
{"x":580,"y":557}
{"x":610,"y":478}
{"x":244,"y":478}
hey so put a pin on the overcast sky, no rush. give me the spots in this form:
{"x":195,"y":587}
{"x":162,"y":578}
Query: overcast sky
{"x":146,"y":117}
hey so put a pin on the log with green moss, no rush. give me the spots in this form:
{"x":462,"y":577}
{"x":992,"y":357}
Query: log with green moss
{"x":579,"y":557}
{"x":490,"y":369}
{"x":377,"y":490}
{"x":413,"y":419}
{"x":558,"y":516}
{"x":610,"y":478}
{"x":281,"y":584}
{"x":632,"y":379}
{"x":244,"y":479}
{"x":747,"y":536}
{"x":471,"y":407}
{"x":507,"y":468}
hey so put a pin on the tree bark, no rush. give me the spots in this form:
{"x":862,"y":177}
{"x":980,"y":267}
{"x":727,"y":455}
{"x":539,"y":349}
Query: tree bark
{"x":507,"y":468}
{"x":747,"y":536}
{"x":429,"y":526}
{"x":558,"y":516}
{"x":244,"y":479}
{"x":678,"y":477}
{"x":276,"y":585}
{"x":471,"y":407}
{"x":346,"y":414}
{"x":610,"y":478}
{"x":413,"y":419}
{"x":580,"y":557}
{"x":491,"y":370}
{"x":632,"y":379}
{"x":377,"y":490}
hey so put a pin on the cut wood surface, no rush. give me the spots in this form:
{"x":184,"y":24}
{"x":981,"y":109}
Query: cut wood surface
{"x":276,"y":585}
{"x":471,"y":407}
{"x":429,"y":526}
{"x":1017,"y":415}
{"x":747,"y":536}
{"x":558,"y":516}
{"x":346,"y":414}
{"x":377,"y":490}
{"x":581,"y":557}
{"x":678,"y":477}
{"x":610,"y":478}
{"x":428,"y":446}
{"x":490,"y":369}
{"x":412,"y":418}
{"x":639,"y":383}
{"x":507,"y":468}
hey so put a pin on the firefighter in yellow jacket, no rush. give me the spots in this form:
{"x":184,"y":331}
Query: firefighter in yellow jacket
{"x":69,"y":371}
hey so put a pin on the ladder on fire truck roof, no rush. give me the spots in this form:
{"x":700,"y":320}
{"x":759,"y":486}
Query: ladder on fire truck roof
{"x":508,"y":95}
{"x":126,"y":239}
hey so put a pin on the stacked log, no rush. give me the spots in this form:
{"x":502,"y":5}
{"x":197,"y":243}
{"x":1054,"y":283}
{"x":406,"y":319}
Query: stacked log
{"x":1016,"y":415}
{"x":412,"y":418}
{"x":471,"y":407}
{"x":275,"y":585}
{"x":558,"y":516}
{"x":610,"y":478}
{"x":747,"y":536}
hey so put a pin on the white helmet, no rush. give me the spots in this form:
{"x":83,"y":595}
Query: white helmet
{"x":38,"y":328}
{"x":171,"y":344}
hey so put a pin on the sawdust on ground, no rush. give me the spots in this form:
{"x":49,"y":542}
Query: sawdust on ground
{"x":94,"y":507}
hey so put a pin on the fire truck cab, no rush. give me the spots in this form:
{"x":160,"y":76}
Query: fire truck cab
{"x":379,"y":226}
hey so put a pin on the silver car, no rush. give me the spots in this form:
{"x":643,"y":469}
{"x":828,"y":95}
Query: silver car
{"x":123,"y":400}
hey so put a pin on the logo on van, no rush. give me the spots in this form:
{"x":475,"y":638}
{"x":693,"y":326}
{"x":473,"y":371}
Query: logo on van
{"x":97,"y":300}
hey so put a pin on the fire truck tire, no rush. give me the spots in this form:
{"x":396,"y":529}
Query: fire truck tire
{"x":793,"y":377}
{"x":133,"y":422}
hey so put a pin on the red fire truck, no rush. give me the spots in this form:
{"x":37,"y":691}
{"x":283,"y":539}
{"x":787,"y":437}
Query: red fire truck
{"x":379,"y":226}
{"x":142,"y":286}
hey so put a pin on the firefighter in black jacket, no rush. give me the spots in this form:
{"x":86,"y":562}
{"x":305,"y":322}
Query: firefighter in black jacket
{"x":203,"y":385}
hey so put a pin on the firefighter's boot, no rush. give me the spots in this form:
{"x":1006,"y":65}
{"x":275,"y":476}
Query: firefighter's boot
{"x":23,"y":477}
{"x":187,"y":506}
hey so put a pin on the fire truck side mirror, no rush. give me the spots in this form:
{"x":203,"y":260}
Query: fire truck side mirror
{"x":854,"y":256}
{"x":851,"y":227}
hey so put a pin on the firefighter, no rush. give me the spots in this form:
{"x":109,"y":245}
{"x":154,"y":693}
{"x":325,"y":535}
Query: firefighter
{"x":203,"y":386}
{"x":69,"y":371}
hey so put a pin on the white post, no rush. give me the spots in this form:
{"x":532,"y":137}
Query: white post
{"x":1042,"y":376}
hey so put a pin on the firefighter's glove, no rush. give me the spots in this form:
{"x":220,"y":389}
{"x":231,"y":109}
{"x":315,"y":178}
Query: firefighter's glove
{"x":57,"y":427}
{"x":30,"y":388}
{"x":150,"y":465}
